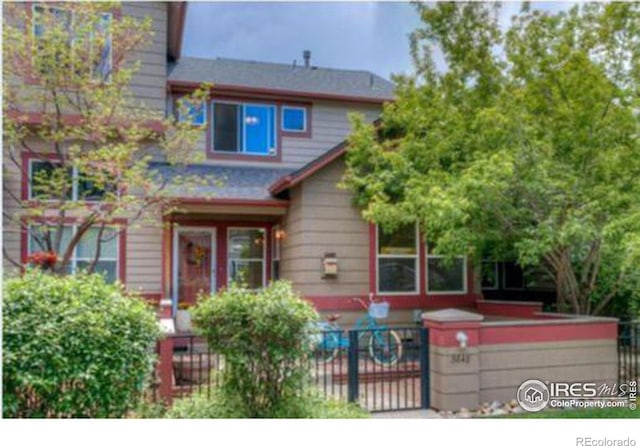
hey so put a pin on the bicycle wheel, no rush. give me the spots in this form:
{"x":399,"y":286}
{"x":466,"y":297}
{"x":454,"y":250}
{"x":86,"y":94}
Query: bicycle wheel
{"x":385,"y":347}
{"x":327,"y":349}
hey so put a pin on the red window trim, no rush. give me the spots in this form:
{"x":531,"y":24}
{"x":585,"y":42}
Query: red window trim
{"x":280,"y":134}
{"x":68,"y":221}
{"x":24,"y":177}
{"x":422,"y":298}
{"x":308,"y":120}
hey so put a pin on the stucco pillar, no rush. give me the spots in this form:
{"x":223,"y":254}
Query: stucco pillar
{"x":454,"y":358}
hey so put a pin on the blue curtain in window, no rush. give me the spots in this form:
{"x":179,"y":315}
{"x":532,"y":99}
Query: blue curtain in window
{"x":259,"y":125}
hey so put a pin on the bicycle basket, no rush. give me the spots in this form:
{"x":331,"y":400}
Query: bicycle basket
{"x":379,"y":310}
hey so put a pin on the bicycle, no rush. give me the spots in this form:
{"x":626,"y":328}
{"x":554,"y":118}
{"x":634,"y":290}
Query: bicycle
{"x":384,"y":344}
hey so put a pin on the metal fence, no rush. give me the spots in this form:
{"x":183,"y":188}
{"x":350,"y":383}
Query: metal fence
{"x":629,"y":351}
{"x":195,"y":366}
{"x":380,"y":369}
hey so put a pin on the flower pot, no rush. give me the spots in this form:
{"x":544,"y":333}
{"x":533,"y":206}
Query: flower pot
{"x":183,"y":320}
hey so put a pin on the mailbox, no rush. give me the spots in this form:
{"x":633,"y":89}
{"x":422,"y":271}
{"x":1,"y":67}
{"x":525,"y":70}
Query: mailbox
{"x":329,"y":265}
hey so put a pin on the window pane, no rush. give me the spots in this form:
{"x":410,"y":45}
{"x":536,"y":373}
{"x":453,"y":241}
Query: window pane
{"x":489,"y":275}
{"x":38,"y":239}
{"x":107,"y":267}
{"x":402,"y":241}
{"x":444,"y":276}
{"x":226,"y":129}
{"x":293,"y":119}
{"x":246,"y":243}
{"x":275,"y":270}
{"x":396,"y":275}
{"x":50,"y":181}
{"x":102,"y":69}
{"x":259,"y":129}
{"x":87,"y":247}
{"x":249,"y":273}
{"x":196,"y":113}
{"x":513,"y":276}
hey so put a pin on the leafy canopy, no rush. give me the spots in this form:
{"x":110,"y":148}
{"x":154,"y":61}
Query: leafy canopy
{"x":525,"y":145}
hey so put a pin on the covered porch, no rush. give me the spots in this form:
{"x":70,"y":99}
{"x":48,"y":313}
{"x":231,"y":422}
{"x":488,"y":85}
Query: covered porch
{"x":207,"y":244}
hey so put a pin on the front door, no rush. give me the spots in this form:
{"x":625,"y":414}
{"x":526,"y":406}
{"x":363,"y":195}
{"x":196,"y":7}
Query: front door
{"x":193,"y":264}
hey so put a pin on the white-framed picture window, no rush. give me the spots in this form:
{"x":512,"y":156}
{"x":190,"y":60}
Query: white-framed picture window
{"x":397,"y":260}
{"x":246,"y":253}
{"x":84,"y":252}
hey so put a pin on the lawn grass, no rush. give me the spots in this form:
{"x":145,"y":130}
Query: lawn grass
{"x":623,"y":412}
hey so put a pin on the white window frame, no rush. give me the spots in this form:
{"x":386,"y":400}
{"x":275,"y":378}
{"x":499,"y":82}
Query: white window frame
{"x":496,"y":273}
{"x":174,"y":259}
{"x":46,"y":6}
{"x":272,"y":152}
{"x":73,"y":261}
{"x":304,"y":120}
{"x":263,"y":260}
{"x":74,"y":181}
{"x":398,"y":256}
{"x":465,"y":285}
{"x":504,"y":279}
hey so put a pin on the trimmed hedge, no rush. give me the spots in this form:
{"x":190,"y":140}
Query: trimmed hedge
{"x":74,"y":346}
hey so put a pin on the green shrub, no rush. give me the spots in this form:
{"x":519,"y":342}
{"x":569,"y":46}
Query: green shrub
{"x":74,"y":346}
{"x":201,"y":405}
{"x":264,"y":339}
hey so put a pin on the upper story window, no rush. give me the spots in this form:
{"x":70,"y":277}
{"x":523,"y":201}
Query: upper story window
{"x":48,"y":180}
{"x":398,"y":260}
{"x":294,"y":119}
{"x":53,"y":22}
{"x":244,"y":128}
{"x":195,"y":113}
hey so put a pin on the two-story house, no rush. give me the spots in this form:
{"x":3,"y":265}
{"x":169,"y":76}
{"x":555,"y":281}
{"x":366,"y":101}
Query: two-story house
{"x":274,"y":139}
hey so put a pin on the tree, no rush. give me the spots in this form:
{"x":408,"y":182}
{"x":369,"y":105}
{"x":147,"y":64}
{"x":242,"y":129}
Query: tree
{"x":67,"y":104}
{"x":526,"y":144}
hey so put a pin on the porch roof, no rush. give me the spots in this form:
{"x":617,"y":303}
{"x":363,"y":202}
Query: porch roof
{"x":222,"y":182}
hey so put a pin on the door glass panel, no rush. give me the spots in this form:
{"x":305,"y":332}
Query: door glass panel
{"x":194,"y":265}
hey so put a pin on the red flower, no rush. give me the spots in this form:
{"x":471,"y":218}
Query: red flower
{"x":43,"y":259}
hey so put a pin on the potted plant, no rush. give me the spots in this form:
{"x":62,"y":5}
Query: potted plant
{"x":183,"y":317}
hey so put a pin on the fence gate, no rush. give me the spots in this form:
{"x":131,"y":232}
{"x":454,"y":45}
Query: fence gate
{"x":380,"y":369}
{"x":629,"y":351}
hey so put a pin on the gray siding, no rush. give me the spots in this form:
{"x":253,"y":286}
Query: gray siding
{"x":322,"y":219}
{"x":330,"y":126}
{"x":148,"y":85}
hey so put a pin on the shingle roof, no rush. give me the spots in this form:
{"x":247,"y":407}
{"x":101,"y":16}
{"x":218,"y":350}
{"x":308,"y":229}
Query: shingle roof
{"x":245,"y":183}
{"x":274,"y":76}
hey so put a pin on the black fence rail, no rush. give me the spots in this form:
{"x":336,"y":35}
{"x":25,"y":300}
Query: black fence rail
{"x":629,"y":351}
{"x":381,"y":369}
{"x":195,"y":366}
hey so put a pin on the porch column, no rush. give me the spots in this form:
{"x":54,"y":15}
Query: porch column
{"x":454,"y":358}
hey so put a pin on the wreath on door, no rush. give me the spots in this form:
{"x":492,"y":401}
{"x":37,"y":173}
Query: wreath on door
{"x":195,"y":254}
